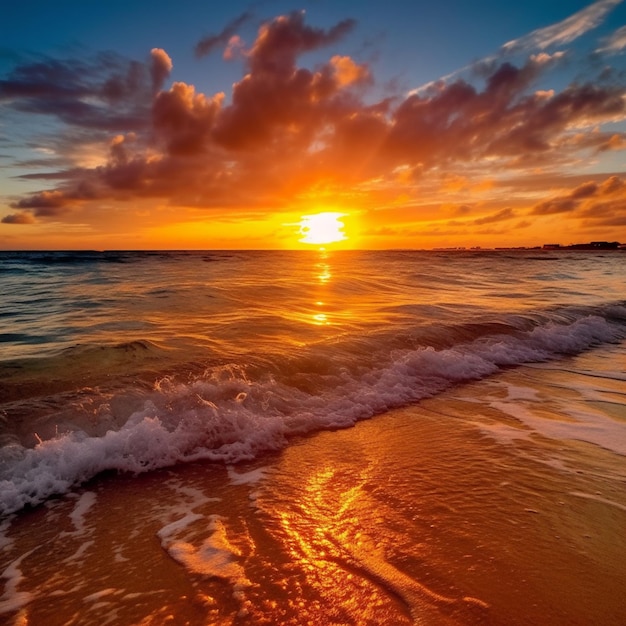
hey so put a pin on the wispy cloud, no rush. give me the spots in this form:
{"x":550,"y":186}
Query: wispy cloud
{"x":616,"y":42}
{"x":209,"y":43}
{"x":565,"y":31}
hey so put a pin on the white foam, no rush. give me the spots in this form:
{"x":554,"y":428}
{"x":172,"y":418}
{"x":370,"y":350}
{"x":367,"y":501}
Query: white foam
{"x":169,"y":531}
{"x":516,"y":392}
{"x":246,"y":478}
{"x":12,"y":599}
{"x":84,"y":503}
{"x":589,"y":426}
{"x":80,"y":552}
{"x":98,"y":595}
{"x":224,"y":416}
{"x":214,"y":557}
{"x":118,"y":556}
{"x":503,"y":433}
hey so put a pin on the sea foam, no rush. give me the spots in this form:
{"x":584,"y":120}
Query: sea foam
{"x":227,"y":416}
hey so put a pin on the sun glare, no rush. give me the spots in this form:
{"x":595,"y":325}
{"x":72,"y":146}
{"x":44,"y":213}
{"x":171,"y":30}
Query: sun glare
{"x":322,"y":228}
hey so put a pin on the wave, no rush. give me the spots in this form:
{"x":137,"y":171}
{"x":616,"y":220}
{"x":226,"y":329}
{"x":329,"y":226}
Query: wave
{"x":230,"y":413}
{"x":19,"y":261}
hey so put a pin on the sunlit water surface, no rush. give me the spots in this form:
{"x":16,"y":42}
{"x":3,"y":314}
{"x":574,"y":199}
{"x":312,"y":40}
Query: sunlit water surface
{"x":313,"y":438}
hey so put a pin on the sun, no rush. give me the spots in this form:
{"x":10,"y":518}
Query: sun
{"x":322,"y":228}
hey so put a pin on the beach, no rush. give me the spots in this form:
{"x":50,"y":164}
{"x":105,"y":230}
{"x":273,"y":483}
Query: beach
{"x":451,"y":512}
{"x":401,"y":464}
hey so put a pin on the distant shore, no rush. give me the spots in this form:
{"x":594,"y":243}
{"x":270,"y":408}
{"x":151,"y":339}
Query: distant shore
{"x":592,"y":245}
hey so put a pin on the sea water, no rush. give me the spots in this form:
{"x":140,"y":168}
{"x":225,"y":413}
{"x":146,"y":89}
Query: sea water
{"x":324,"y":437}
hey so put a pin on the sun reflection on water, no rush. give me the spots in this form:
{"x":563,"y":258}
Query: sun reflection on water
{"x":324,"y":273}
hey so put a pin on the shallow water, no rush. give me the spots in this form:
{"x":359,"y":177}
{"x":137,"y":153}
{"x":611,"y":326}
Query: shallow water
{"x":160,"y":408}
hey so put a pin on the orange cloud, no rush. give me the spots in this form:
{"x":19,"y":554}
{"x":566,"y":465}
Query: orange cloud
{"x":160,"y":67}
{"x":348,"y":72}
{"x":184,"y":119}
{"x":604,"y":203}
{"x":234,"y":49}
{"x":19,"y":218}
{"x":504,"y":214}
{"x":288,"y":131}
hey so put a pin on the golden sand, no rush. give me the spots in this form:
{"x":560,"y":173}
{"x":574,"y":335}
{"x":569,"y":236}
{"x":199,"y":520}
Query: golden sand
{"x":455,"y":511}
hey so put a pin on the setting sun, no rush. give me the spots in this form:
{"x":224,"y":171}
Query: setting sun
{"x":322,"y":228}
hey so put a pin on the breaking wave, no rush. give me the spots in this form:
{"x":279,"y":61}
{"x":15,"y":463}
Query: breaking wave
{"x":231,"y":412}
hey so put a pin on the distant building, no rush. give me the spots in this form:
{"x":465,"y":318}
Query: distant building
{"x":593,"y":245}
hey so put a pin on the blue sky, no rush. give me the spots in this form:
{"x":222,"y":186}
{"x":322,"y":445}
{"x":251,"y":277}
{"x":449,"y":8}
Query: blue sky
{"x":402,"y":47}
{"x":413,"y":41}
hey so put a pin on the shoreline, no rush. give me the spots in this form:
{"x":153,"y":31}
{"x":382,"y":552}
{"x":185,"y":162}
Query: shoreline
{"x":450,"y":511}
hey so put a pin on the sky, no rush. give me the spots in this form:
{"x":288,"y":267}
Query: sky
{"x":152,"y":124}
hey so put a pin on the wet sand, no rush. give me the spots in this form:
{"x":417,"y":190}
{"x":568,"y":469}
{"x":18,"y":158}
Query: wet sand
{"x":464,"y":509}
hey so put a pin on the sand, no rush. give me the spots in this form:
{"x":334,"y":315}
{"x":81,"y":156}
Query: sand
{"x":472,"y":507}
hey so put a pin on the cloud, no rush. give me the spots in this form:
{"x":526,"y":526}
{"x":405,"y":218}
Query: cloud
{"x":160,"y":67}
{"x":276,"y":98}
{"x":612,"y":185}
{"x":504,"y":214}
{"x":616,"y":42}
{"x":18,"y":218}
{"x":234,"y":49}
{"x":44,"y":203}
{"x":505,"y":120}
{"x":589,"y":199}
{"x":209,"y":43}
{"x":584,"y":191}
{"x":347,"y":72}
{"x":289,"y":131}
{"x":184,"y":119}
{"x":565,"y":31}
{"x":104,"y":92}
{"x":556,"y":205}
{"x":616,"y":141}
{"x":281,"y":41}
{"x":615,"y":221}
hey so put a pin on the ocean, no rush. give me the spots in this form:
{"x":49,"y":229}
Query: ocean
{"x":313,"y":437}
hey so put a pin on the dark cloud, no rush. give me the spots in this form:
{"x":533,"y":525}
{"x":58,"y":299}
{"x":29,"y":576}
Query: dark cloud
{"x":281,"y":41}
{"x":209,"y":43}
{"x":105,"y":92}
{"x":456,"y":122}
{"x":504,"y":214}
{"x":48,"y":78}
{"x":43,"y":200}
{"x":19,"y":218}
{"x":184,"y":119}
{"x":585,"y":190}
{"x":276,"y":96}
{"x":556,"y":205}
{"x":588,"y":200}
{"x":44,"y":204}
